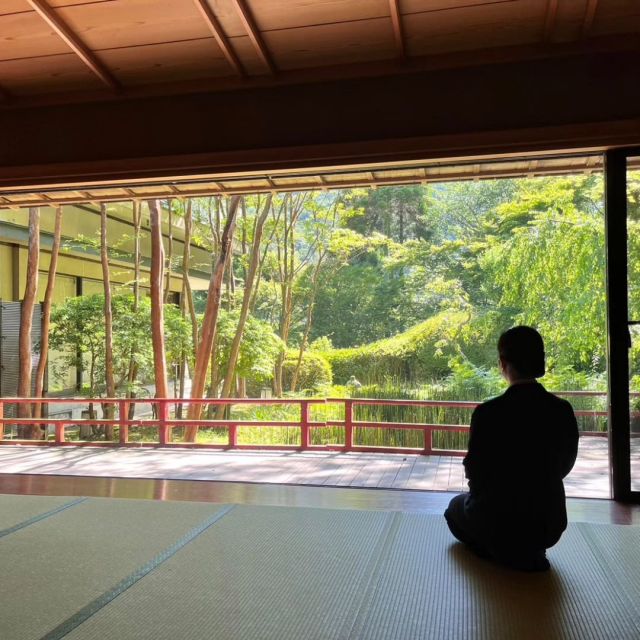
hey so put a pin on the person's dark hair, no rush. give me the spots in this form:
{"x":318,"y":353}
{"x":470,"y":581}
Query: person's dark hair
{"x":523,"y":348}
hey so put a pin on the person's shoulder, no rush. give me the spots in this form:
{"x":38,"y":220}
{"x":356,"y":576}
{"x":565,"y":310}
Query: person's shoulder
{"x":490,"y":405}
{"x":559,"y":404}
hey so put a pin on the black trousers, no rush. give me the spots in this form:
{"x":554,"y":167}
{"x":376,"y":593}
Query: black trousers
{"x":501,"y":542}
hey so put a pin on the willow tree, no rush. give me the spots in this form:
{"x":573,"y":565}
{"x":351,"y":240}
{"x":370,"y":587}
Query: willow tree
{"x":46,"y":311}
{"x":26,"y":321}
{"x":206,"y":344}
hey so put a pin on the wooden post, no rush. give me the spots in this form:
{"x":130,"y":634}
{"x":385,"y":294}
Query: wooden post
{"x":163,"y":415}
{"x":428,"y":444}
{"x":123,"y":414}
{"x":1,"y":420}
{"x":60,"y":432}
{"x":348,"y":425}
{"x":304,"y":424}
{"x":233,"y":435}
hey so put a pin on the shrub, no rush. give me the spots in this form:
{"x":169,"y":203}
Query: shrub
{"x":315,"y":371}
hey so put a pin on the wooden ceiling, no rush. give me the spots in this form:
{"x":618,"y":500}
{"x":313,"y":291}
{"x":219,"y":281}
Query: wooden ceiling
{"x":81,"y":48}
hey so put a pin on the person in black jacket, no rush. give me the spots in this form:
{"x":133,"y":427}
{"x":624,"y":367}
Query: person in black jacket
{"x":521,"y":446}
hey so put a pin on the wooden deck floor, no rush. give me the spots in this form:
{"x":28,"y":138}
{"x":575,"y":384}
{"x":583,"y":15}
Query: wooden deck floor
{"x":589,"y":478}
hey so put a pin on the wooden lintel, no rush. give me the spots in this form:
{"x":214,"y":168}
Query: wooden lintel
{"x":310,"y":183}
{"x":63,"y":30}
{"x":254,"y":34}
{"x":396,"y":21}
{"x":221,"y":38}
{"x":589,"y":14}
{"x":550,"y":20}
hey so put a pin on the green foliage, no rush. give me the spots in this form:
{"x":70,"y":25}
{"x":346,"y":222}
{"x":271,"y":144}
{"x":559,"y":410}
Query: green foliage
{"x":315,"y":371}
{"x":421,"y":353}
{"x":77,"y":329}
{"x":259,"y":348}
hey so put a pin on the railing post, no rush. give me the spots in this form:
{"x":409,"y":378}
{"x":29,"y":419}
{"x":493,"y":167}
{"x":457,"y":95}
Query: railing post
{"x":304,"y":424}
{"x":233,"y":435}
{"x":1,"y":420}
{"x":60,"y":432}
{"x":163,"y":415}
{"x":123,"y":415}
{"x":428,"y":441}
{"x":348,"y":425}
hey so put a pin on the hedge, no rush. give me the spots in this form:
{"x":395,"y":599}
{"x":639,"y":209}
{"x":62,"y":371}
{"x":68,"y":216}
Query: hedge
{"x":420,"y":353}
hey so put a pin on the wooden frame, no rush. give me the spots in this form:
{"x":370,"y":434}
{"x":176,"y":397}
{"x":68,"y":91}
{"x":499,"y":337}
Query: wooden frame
{"x":618,"y":338}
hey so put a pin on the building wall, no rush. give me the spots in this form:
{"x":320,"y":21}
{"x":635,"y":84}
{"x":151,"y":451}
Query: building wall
{"x":79,"y":267}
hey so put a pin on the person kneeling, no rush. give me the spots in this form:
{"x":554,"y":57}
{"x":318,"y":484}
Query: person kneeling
{"x":521,"y":446}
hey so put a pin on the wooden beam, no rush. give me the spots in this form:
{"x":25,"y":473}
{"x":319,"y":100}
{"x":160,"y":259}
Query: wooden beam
{"x":254,"y":34}
{"x":5,"y":96}
{"x":221,"y":38}
{"x":396,"y":21}
{"x":550,"y":20}
{"x":74,"y":42}
{"x":589,"y":14}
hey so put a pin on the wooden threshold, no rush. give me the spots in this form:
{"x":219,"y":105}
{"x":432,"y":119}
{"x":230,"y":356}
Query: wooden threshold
{"x":431,"y":502}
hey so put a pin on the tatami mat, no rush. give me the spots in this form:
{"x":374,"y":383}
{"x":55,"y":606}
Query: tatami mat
{"x":18,"y":510}
{"x":54,"y":567}
{"x":168,"y":571}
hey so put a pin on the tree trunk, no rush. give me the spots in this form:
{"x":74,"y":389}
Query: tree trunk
{"x":167,"y":290}
{"x":26,"y":322}
{"x":309,"y":319}
{"x":157,"y":311}
{"x":246,"y":299}
{"x":108,"y":408}
{"x":208,"y":333}
{"x":133,"y":367}
{"x":186,"y":303}
{"x":46,"y":312}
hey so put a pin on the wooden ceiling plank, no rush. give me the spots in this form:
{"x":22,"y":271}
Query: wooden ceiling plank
{"x":550,"y":20}
{"x":396,"y":21}
{"x":589,"y":15}
{"x":74,"y":42}
{"x":254,"y":34}
{"x":220,"y":36}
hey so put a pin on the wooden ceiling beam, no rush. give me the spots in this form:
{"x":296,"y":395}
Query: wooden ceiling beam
{"x":589,"y":14}
{"x":254,"y":34}
{"x":221,"y":38}
{"x":74,"y":43}
{"x":550,"y":20}
{"x":396,"y":21}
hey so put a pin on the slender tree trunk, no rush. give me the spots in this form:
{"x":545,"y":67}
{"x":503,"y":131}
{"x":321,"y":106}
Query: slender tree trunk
{"x":308,"y":323}
{"x":286,"y":294}
{"x":246,"y":299}
{"x":157,"y":311}
{"x":108,"y":408}
{"x":186,"y":302}
{"x":208,"y":333}
{"x":133,"y":367}
{"x":167,"y":290}
{"x":26,"y":322}
{"x":46,"y":313}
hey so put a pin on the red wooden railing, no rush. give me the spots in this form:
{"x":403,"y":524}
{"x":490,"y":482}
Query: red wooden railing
{"x":164,"y":424}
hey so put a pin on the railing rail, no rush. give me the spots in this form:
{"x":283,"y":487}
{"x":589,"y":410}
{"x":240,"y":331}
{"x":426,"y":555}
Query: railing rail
{"x":165,"y":425}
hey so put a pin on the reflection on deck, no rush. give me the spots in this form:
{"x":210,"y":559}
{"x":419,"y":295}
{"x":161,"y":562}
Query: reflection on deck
{"x":589,"y":478}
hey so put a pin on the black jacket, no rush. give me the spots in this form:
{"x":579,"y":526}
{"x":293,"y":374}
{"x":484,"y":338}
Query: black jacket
{"x":522,"y":444}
